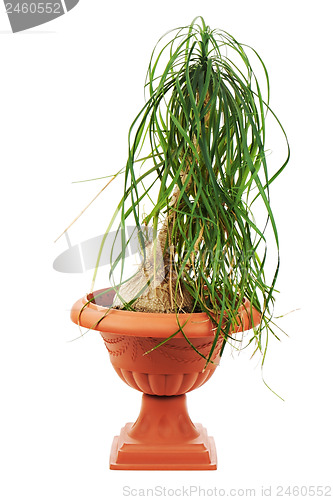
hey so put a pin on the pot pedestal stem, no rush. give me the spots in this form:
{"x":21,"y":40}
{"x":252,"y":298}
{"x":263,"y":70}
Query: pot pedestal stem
{"x":163,"y":438}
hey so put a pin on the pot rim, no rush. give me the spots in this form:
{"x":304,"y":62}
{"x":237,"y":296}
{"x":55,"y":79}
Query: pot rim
{"x":157,"y":325}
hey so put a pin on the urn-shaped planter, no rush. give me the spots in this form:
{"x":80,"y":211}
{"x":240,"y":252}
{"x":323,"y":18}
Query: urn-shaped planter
{"x":163,"y":437}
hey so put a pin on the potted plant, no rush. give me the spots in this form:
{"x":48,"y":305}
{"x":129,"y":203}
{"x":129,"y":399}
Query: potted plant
{"x":195,"y":182}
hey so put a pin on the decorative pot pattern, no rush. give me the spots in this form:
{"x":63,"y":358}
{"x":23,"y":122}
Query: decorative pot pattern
{"x":169,"y":370}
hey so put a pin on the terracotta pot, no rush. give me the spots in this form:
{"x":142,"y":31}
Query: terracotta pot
{"x":163,"y":437}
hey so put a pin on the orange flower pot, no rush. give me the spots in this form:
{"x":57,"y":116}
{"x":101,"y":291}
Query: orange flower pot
{"x":163,"y":437}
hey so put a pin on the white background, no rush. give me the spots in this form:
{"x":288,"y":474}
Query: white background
{"x":69,"y":90}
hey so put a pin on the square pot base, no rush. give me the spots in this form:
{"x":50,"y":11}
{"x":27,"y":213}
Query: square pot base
{"x":128,"y":453}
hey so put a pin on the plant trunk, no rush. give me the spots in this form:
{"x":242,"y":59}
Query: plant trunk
{"x":156,"y":276}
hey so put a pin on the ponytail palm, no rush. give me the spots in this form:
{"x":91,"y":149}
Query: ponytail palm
{"x":196,"y":174}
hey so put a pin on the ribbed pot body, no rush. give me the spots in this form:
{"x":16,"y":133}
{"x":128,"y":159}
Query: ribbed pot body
{"x":170,"y":369}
